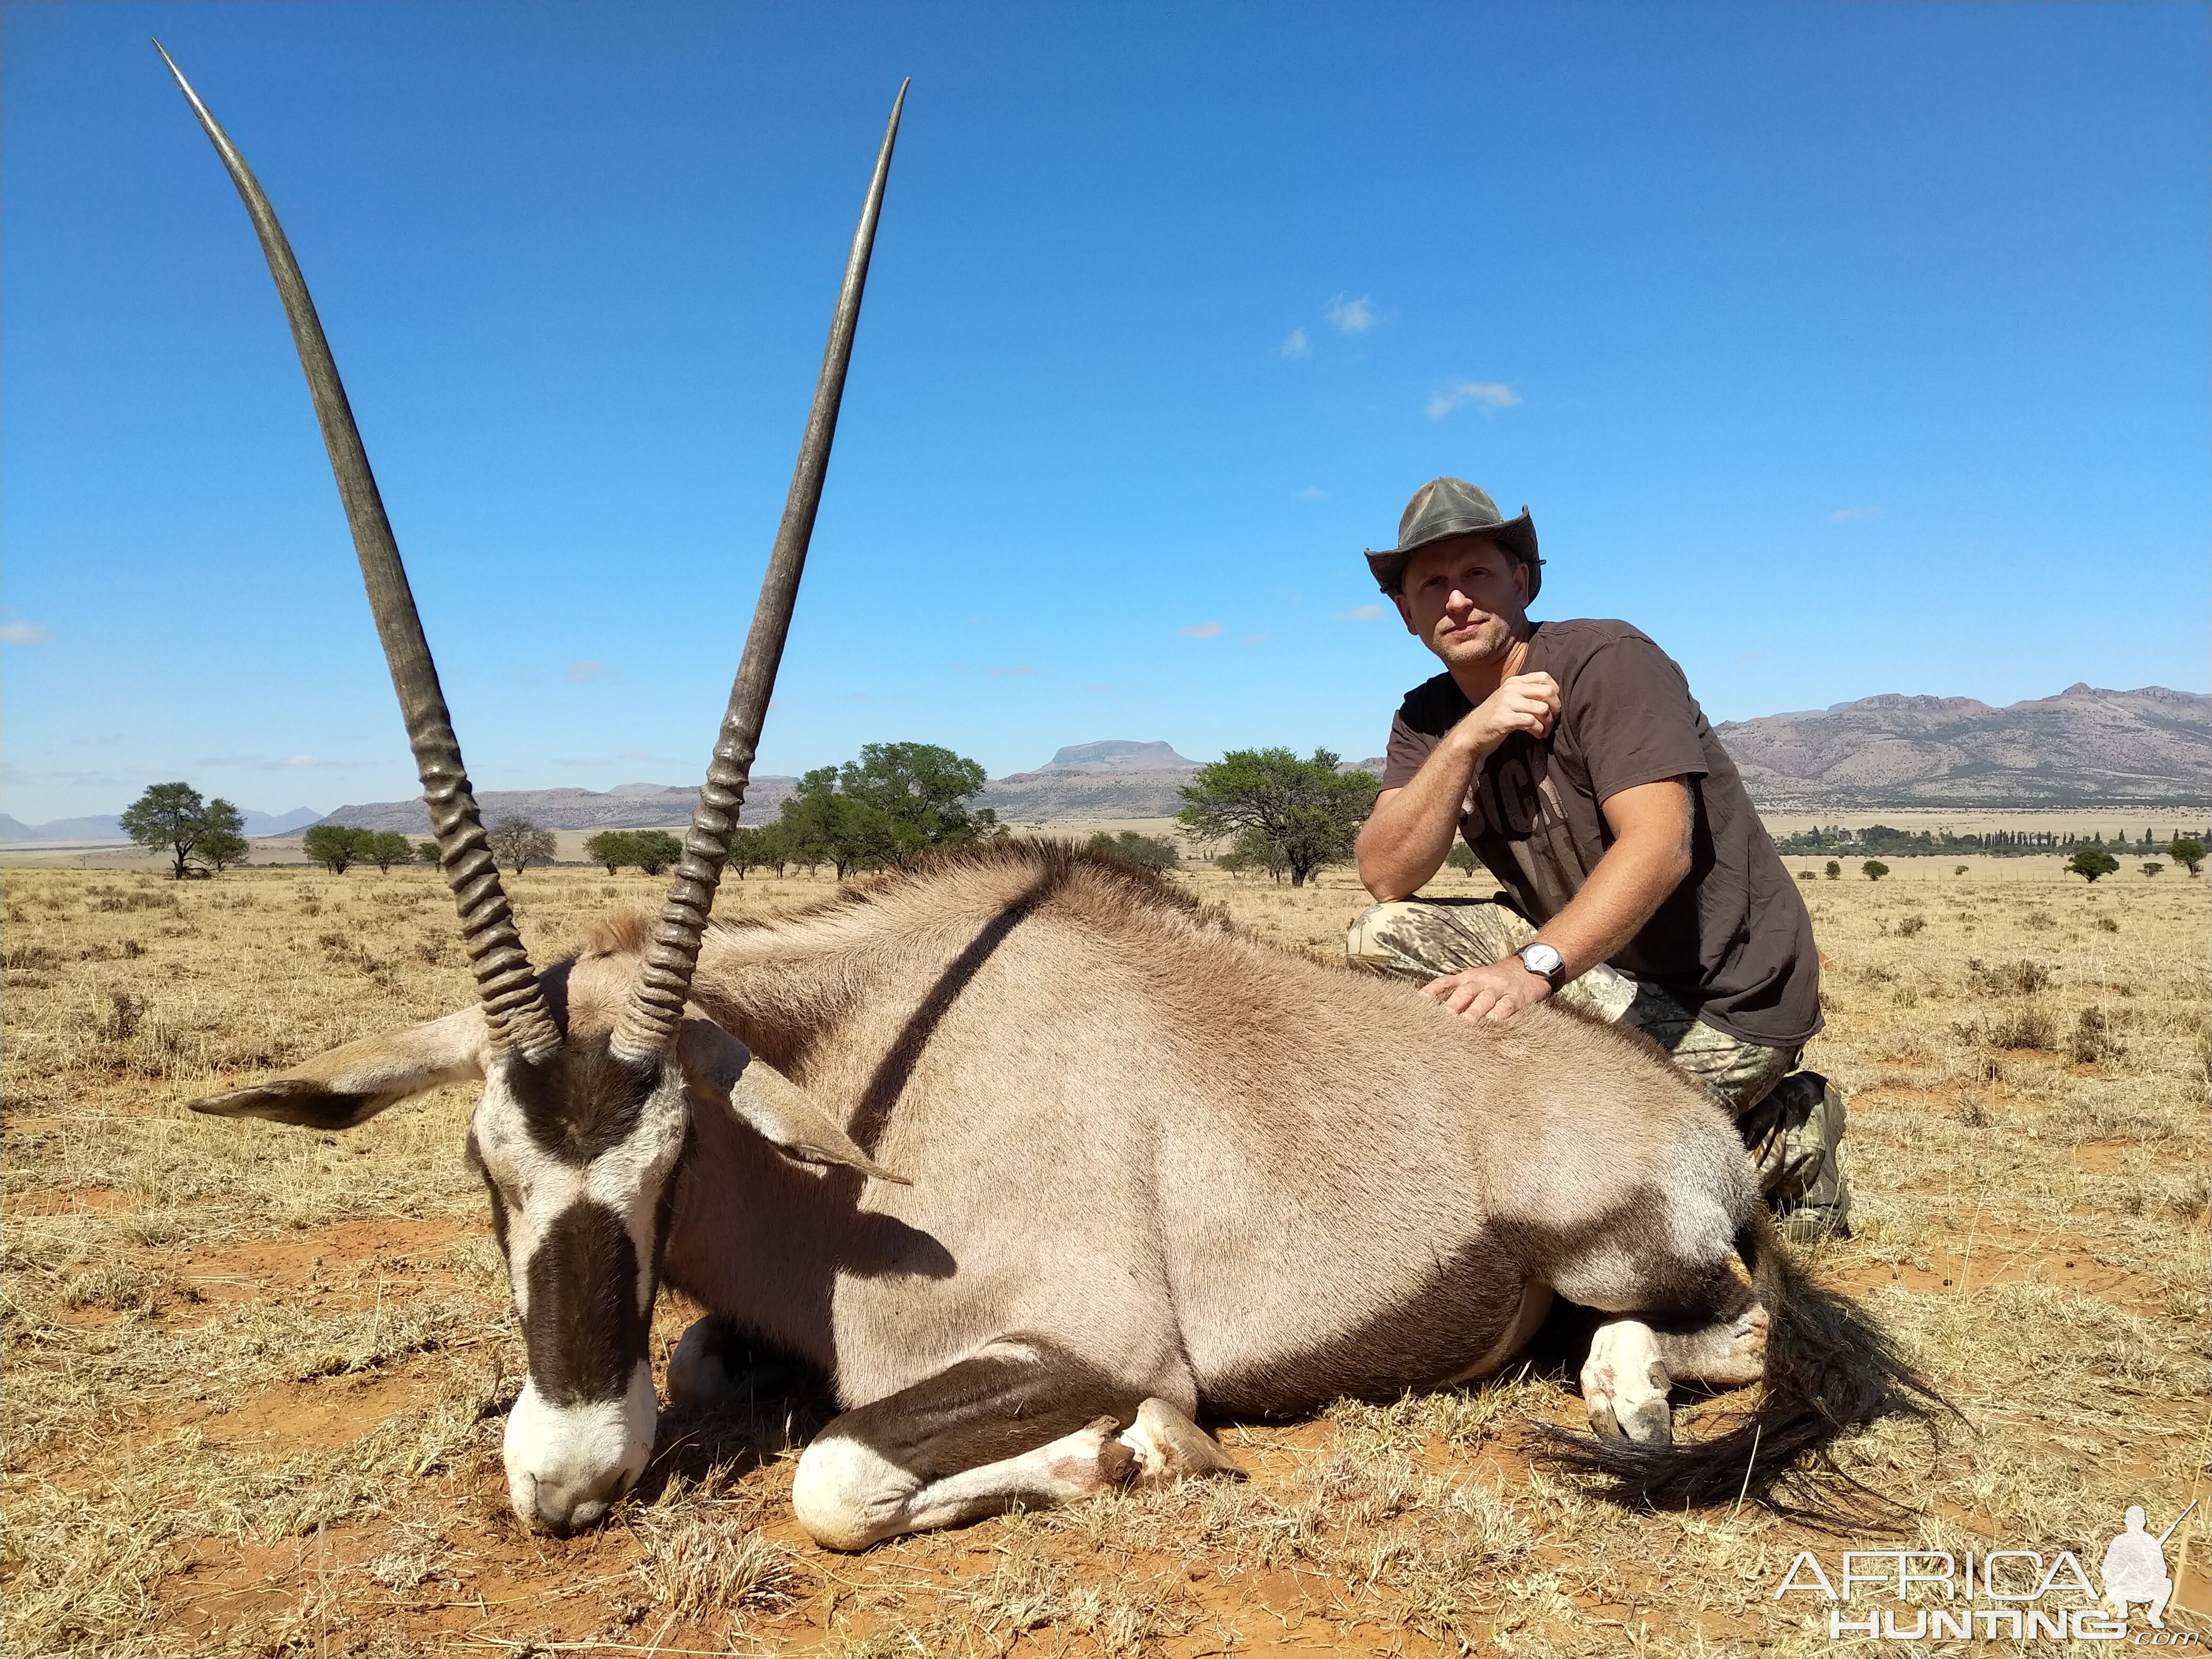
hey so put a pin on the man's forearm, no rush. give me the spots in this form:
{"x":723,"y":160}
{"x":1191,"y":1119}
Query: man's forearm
{"x":1630,"y":883}
{"x":1407,"y":840}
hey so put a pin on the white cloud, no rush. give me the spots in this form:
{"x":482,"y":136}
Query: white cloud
{"x":1257,"y":639}
{"x":1358,"y":613}
{"x":583,"y":673}
{"x":1849,"y":514}
{"x":1491,"y":394}
{"x":1313,"y":493}
{"x":1296,"y":345}
{"x":1201,"y":630}
{"x":1350,"y":316}
{"x":23,"y":634}
{"x":1019,"y":671}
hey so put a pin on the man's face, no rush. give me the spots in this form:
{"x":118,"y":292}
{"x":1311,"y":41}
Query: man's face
{"x":1466,"y":598}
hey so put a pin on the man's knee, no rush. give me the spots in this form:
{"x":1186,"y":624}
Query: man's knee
{"x":1422,"y":938}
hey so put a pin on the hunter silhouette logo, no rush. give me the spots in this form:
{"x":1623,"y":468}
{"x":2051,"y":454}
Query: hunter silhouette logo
{"x":2134,"y":1567}
{"x":1985,"y":1595}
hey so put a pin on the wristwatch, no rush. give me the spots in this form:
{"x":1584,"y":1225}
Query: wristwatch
{"x":1546,"y":964}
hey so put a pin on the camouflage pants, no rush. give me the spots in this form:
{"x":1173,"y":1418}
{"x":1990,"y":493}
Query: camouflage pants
{"x":1793,"y":1122}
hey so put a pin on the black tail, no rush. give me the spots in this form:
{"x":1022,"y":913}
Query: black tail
{"x":1829,"y":1370}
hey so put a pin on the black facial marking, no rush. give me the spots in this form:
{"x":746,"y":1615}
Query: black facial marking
{"x":581,"y":1101}
{"x":584,"y":1331}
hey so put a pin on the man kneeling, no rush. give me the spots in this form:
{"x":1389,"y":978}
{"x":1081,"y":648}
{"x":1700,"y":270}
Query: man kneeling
{"x":1640,"y":885}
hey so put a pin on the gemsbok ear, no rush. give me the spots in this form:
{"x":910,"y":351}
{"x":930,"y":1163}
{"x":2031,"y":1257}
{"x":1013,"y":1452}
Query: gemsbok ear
{"x":349,"y":1085}
{"x":768,"y":1103}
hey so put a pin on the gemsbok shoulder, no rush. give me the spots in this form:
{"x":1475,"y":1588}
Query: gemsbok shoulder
{"x":1147,"y":1170}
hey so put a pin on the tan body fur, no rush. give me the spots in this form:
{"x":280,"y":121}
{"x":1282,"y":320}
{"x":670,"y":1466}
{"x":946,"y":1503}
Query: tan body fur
{"x":1234,"y":1177}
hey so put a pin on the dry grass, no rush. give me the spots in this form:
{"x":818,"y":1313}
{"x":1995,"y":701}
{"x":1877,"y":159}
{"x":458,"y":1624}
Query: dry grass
{"x":255,"y":1376}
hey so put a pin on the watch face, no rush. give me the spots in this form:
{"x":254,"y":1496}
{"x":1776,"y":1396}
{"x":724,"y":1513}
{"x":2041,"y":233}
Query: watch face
{"x":1542,"y":959}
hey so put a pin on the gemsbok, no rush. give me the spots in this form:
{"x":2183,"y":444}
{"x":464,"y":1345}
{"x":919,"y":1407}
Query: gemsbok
{"x":1148,"y":1170}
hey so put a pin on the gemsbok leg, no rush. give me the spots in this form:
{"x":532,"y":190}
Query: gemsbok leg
{"x":1633,"y":1363}
{"x":1021,"y":1423}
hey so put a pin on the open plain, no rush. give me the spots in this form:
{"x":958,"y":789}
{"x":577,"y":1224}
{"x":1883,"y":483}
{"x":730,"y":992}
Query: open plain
{"x":255,"y":1375}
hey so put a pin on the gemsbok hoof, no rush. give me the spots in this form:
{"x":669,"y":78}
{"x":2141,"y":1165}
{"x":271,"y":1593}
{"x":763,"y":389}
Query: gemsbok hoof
{"x":1624,"y":1385}
{"x":1173,"y":1447}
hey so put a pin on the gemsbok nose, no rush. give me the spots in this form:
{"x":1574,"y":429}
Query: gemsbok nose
{"x":567,"y":1463}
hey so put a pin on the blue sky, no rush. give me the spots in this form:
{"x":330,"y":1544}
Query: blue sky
{"x":1846,"y":349}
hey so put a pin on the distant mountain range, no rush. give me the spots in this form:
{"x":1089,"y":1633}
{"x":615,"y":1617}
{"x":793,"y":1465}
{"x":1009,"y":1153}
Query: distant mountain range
{"x":107,"y":827}
{"x":626,"y":806}
{"x":2084,"y":747}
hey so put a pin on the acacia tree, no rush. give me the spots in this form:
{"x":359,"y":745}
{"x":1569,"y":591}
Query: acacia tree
{"x":1253,"y":850}
{"x":172,"y":818}
{"x":760,"y":845}
{"x":1303,"y":808}
{"x":823,"y":825}
{"x":426,"y":852}
{"x":2092,"y":861}
{"x":2186,"y":851}
{"x":1154,"y":853}
{"x":334,"y":845}
{"x":221,"y":849}
{"x":386,"y":848}
{"x":612,"y":847}
{"x":922,"y":790}
{"x":654,"y":850}
{"x":516,"y":841}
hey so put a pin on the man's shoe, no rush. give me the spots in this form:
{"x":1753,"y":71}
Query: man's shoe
{"x":1796,"y":1136}
{"x":1810,"y":1224}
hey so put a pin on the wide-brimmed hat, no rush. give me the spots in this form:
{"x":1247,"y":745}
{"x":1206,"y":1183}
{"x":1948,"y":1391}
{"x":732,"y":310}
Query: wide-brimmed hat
{"x":1445,"y":507}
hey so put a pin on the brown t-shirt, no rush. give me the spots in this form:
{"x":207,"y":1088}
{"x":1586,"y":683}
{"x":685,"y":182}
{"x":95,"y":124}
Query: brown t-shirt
{"x":1733,"y":943}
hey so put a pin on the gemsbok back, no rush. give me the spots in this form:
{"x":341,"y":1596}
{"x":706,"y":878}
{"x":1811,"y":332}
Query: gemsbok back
{"x":1149,"y":1169}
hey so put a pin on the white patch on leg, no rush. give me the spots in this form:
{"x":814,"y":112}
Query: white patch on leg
{"x":1625,"y":1384}
{"x":566,"y":1465}
{"x":848,"y":1496}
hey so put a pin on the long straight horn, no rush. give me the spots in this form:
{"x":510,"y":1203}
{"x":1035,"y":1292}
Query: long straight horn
{"x":656,"y":1004}
{"x":505,"y":982}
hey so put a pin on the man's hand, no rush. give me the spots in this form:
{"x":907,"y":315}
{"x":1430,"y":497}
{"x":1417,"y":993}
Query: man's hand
{"x":1522,"y":703}
{"x":1497,"y":990}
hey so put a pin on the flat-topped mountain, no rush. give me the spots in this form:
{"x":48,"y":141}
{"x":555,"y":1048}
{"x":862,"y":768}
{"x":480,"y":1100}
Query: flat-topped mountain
{"x":1117,"y":755}
{"x":2081,"y":748}
{"x":1115,"y":779}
